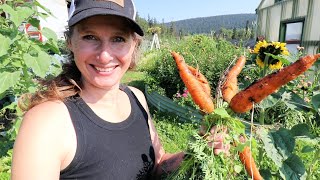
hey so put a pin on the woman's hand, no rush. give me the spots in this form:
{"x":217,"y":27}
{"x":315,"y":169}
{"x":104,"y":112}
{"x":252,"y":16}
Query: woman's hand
{"x":168,"y":164}
{"x":216,"y":138}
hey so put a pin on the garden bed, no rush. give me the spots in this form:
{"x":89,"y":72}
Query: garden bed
{"x":165,"y":104}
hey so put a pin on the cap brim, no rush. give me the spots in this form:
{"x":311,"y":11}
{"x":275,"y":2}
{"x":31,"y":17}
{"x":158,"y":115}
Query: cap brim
{"x":78,"y":16}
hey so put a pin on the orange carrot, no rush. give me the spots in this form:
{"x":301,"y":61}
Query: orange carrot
{"x":193,"y":84}
{"x":256,"y":92}
{"x":202,"y":79}
{"x":230,"y":87}
{"x":248,"y":162}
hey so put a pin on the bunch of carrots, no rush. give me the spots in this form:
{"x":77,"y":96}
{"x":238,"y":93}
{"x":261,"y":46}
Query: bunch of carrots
{"x":239,"y":102}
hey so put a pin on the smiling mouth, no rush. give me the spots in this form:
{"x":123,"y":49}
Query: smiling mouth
{"x":109,"y":69}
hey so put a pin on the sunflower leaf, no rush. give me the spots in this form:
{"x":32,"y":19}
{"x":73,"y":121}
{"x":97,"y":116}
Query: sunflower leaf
{"x":281,"y":58}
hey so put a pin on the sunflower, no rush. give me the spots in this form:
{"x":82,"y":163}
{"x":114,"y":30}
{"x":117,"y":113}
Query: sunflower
{"x":275,"y":48}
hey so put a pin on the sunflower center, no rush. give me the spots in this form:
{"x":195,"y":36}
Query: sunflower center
{"x":272,"y":49}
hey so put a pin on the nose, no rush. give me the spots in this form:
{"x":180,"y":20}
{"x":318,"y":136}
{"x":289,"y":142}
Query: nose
{"x":105,"y":55}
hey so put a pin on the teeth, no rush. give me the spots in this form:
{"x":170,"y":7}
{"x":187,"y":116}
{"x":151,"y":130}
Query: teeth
{"x":104,"y":69}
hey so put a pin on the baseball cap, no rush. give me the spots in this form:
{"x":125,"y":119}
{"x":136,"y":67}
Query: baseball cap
{"x":81,"y":9}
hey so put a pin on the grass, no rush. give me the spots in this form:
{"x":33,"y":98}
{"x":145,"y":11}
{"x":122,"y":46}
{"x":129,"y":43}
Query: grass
{"x":135,"y":79}
{"x":174,"y":135}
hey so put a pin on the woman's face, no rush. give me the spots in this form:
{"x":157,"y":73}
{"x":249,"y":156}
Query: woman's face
{"x":102,"y":48}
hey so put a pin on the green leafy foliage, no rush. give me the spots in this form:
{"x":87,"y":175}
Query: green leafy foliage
{"x":283,"y":141}
{"x":23,"y":62}
{"x":293,"y":168}
{"x":291,"y":113}
{"x":5,"y":46}
{"x":8,"y":80}
{"x":287,"y":153}
{"x":39,"y":64}
{"x":210,"y":55}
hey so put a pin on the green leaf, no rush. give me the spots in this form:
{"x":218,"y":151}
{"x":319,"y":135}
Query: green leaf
{"x":40,"y":64}
{"x":5,"y":45}
{"x":17,"y":64}
{"x":32,"y":89}
{"x":295,"y":102}
{"x":266,"y":174}
{"x":240,"y":147}
{"x":307,"y":149}
{"x":34,"y":22}
{"x":293,"y":169}
{"x":5,"y":62}
{"x":53,"y":46}
{"x":222,"y":112}
{"x":284,"y":142}
{"x":8,"y":9}
{"x":316,"y":102}
{"x":238,"y":168}
{"x":300,"y":130}
{"x":270,"y":148}
{"x":19,"y":15}
{"x":36,"y":3}
{"x":49,"y":34}
{"x":8,"y":80}
{"x":281,"y":58}
{"x":270,"y":101}
{"x":23,"y":14}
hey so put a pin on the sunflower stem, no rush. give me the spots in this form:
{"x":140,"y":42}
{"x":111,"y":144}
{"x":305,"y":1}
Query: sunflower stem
{"x":266,"y":66}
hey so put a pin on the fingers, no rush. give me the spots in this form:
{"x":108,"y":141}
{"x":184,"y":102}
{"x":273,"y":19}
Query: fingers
{"x":242,"y":139}
{"x":218,"y":129}
{"x":224,"y":150}
{"x":217,"y":134}
{"x":203,"y":130}
{"x":216,"y":140}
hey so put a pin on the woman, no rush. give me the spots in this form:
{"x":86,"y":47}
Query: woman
{"x":85,"y":124}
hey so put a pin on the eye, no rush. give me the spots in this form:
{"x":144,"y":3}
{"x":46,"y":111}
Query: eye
{"x":89,"y":37}
{"x":118,"y":39}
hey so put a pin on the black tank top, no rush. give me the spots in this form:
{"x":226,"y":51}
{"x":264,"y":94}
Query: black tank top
{"x":115,"y":151}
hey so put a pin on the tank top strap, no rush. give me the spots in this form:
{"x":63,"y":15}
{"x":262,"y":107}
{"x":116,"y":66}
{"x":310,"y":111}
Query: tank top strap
{"x":78,"y":126}
{"x":133,"y":98}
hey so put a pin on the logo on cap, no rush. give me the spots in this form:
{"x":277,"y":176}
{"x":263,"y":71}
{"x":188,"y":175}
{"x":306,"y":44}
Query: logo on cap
{"x":119,"y":2}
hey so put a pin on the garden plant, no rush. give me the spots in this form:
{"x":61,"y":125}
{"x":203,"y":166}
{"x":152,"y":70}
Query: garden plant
{"x":24,"y":63}
{"x":282,"y":130}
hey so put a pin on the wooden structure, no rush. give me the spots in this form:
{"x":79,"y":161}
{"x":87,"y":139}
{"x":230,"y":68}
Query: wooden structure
{"x":295,"y":22}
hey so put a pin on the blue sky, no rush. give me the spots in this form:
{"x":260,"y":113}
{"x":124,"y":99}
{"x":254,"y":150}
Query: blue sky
{"x":174,"y":10}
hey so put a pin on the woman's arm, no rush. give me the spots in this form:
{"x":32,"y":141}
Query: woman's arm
{"x":39,"y":146}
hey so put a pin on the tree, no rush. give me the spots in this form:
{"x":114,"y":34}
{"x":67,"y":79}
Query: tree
{"x":142,"y":22}
{"x":172,"y":29}
{"x":247,"y":28}
{"x":234,"y":33}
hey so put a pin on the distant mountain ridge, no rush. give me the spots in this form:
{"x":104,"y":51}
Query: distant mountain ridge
{"x":213,"y":23}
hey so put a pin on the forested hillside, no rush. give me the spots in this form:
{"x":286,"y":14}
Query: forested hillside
{"x":212,"y":23}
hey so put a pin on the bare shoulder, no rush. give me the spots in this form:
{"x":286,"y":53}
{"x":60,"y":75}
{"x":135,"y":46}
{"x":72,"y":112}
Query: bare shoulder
{"x":139,"y":95}
{"x":51,"y":106}
{"x":40,"y":145}
{"x":49,"y":113}
{"x":47,"y":121}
